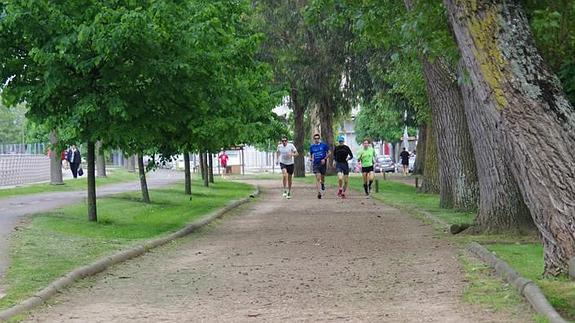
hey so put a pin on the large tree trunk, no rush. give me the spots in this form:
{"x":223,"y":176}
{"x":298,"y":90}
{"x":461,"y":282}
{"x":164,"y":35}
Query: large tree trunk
{"x":501,"y":206}
{"x":91,"y":159}
{"x":55,"y":160}
{"x":459,"y":187}
{"x":100,"y":160}
{"x":537,"y":122}
{"x":326,"y":111}
{"x":430,"y":182}
{"x":299,"y":132}
{"x":143,"y":181}
{"x":187,"y":174}
{"x":211,"y":167}
{"x":419,"y":166}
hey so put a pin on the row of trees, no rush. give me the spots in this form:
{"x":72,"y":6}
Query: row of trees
{"x":477,"y":77}
{"x":146,"y":77}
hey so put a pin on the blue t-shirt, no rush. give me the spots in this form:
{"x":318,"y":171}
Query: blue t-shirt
{"x":318,"y":151}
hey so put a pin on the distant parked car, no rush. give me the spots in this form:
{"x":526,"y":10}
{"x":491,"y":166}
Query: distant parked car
{"x":384,"y":164}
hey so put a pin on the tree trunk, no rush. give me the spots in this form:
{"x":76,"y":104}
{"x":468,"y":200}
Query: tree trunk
{"x":206,"y":170}
{"x":419,"y":166}
{"x":100,"y":160}
{"x":187,"y":174}
{"x":326,"y":111}
{"x":143,"y":181}
{"x":299,"y":132}
{"x":501,"y":206}
{"x":537,"y":122}
{"x":55,"y":160}
{"x":91,"y":159}
{"x":202,"y":165}
{"x":211,"y":167}
{"x":430,"y":183}
{"x":459,"y":187}
{"x":131,"y":164}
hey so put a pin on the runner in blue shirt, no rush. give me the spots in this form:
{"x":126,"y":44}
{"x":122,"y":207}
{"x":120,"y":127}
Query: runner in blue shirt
{"x":319,"y":153}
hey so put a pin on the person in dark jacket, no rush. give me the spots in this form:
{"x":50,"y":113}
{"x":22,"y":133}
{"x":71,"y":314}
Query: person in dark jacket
{"x":73,"y":157}
{"x":341,"y":155}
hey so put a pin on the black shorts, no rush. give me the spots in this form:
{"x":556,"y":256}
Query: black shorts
{"x":319,"y":168}
{"x":288,"y":168}
{"x":367,"y":169}
{"x":342,"y":167}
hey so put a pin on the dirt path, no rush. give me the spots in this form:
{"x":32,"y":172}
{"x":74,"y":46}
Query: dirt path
{"x":14,"y":209}
{"x":277,"y":260}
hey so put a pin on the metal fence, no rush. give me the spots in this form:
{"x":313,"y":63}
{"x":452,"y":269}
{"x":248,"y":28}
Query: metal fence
{"x":25,"y":149}
{"x":18,"y":169}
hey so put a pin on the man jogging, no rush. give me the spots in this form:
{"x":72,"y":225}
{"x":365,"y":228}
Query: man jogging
{"x":284,"y":155}
{"x":405,"y":161}
{"x":367,"y":157}
{"x":341,"y":155}
{"x":319,"y":152}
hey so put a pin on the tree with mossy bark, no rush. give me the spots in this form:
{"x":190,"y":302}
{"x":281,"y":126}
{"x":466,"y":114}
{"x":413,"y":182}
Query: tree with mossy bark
{"x":533,"y":118}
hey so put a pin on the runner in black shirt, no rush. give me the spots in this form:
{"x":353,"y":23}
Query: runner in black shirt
{"x":341,"y":154}
{"x":405,"y":161}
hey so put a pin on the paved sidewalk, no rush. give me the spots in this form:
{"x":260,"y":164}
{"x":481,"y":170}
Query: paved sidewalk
{"x":14,"y":209}
{"x":280,"y":260}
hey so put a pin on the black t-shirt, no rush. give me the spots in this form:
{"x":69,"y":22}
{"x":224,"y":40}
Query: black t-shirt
{"x":341,"y":152}
{"x":404,"y":157}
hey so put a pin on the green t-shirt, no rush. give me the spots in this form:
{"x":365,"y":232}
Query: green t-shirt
{"x":366,"y":156}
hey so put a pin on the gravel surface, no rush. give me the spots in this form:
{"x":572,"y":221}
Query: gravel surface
{"x":283,"y":260}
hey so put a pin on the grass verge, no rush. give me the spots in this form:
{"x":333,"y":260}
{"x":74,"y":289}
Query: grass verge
{"x":523,"y":253}
{"x":527,"y":259}
{"x":114,"y":176}
{"x":52,"y":244}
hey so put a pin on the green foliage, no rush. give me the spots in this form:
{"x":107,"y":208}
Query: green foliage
{"x":553,"y":23}
{"x":12,"y":124}
{"x":383,"y":119}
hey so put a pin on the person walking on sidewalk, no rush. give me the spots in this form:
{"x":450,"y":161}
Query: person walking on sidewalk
{"x":367,"y":157}
{"x":341,"y":155}
{"x":319,"y":153}
{"x":285,"y":156}
{"x":74,"y":158}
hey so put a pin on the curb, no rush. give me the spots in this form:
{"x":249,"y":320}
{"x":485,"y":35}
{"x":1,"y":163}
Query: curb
{"x":108,"y":261}
{"x":524,"y":286}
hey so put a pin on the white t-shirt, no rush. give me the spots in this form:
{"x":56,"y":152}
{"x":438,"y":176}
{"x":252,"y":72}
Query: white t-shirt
{"x":284,"y":151}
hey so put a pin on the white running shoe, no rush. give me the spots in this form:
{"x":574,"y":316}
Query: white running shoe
{"x":285,"y":194}
{"x":288,"y":196}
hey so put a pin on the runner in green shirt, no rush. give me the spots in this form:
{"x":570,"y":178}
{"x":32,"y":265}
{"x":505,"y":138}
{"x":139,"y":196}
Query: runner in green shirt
{"x":366,"y":155}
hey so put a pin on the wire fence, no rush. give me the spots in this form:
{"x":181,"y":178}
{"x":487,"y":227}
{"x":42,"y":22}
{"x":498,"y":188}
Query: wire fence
{"x":19,"y":169}
{"x":25,"y":149}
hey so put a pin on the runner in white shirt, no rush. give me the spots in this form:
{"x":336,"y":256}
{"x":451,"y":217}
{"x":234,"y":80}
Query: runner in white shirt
{"x":284,"y":155}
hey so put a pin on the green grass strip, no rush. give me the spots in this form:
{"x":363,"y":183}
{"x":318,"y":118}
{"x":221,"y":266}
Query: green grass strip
{"x":114,"y":176}
{"x":527,"y":260}
{"x":52,"y":244}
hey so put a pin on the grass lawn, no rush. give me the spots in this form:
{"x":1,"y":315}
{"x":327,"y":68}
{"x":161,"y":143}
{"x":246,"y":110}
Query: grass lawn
{"x":523,"y":253}
{"x":405,"y":197}
{"x":116,"y":175}
{"x":527,"y":259}
{"x":52,"y":244}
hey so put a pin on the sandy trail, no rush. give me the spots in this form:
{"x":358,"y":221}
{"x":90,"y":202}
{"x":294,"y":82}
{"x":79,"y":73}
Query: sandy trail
{"x":278,"y":260}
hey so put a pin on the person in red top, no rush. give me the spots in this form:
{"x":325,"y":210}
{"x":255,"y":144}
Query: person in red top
{"x":223,"y":158}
